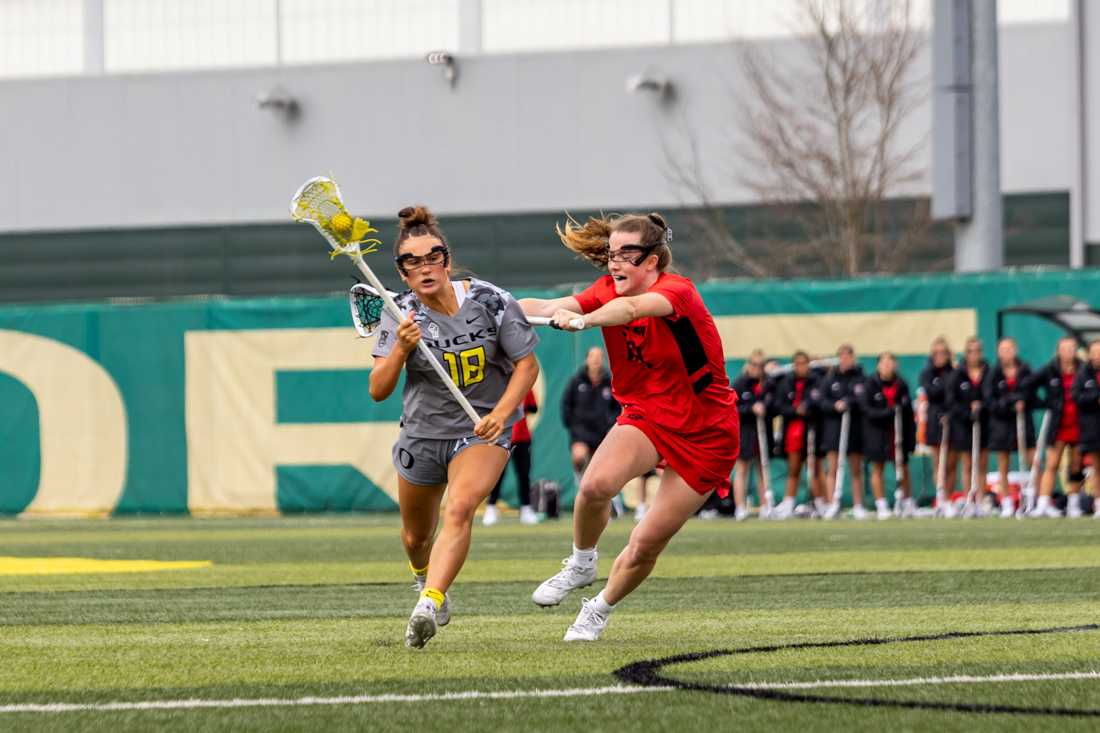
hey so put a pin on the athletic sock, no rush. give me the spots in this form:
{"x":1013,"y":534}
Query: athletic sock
{"x":881,"y":504}
{"x":584,"y":557}
{"x":601,"y":606}
{"x":1042,"y":503}
{"x":1073,"y":501}
{"x":434,"y":596}
{"x":419,"y":572}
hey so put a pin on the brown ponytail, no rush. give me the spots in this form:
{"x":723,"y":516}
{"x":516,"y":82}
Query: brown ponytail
{"x":590,"y":239}
{"x":416,"y":221}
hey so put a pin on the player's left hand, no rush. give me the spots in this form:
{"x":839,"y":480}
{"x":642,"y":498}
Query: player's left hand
{"x":489,"y":428}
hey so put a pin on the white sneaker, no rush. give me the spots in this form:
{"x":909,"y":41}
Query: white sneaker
{"x":422,"y":624}
{"x":946,"y":509}
{"x":783,"y":510}
{"x":908,"y":508}
{"x":639,"y":512}
{"x":708,"y":514}
{"x":882,"y":511}
{"x":1008,"y":509}
{"x":572,"y":576}
{"x":858,"y":512}
{"x":741,"y":514}
{"x":1096,"y":514}
{"x":491,"y":515}
{"x":443,"y":613}
{"x":527,"y":515}
{"x":832,"y":511}
{"x":419,"y":581}
{"x":1073,"y":506}
{"x":1044,"y":510}
{"x":588,"y":625}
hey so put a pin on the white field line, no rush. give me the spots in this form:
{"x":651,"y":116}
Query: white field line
{"x":957,"y":680}
{"x":62,"y":707}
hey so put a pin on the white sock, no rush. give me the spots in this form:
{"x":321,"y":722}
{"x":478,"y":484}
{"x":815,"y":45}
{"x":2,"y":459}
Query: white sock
{"x":881,"y":504}
{"x":584,"y":557}
{"x":821,"y":505}
{"x":1043,"y":502}
{"x":600,"y":605}
{"x":1073,"y":501}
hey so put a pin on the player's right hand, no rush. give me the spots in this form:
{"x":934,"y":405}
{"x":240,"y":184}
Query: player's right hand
{"x":408,"y":334}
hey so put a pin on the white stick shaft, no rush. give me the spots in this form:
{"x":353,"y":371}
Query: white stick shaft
{"x":423,"y":347}
{"x":1040,"y":448}
{"x":842,"y":456}
{"x":1021,"y":442}
{"x":941,"y":468}
{"x":975,"y":460}
{"x":762,"y":446}
{"x":576,"y":323}
{"x":899,"y":454}
{"x":811,"y":456}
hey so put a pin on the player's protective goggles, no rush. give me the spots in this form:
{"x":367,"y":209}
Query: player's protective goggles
{"x":634,"y":254}
{"x":437,"y":255}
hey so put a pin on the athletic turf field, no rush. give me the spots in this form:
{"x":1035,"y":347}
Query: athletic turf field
{"x":298,"y":608}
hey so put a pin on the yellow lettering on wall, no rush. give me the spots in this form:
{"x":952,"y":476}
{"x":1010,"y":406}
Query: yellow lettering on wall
{"x":233,"y":442}
{"x":82,"y":424}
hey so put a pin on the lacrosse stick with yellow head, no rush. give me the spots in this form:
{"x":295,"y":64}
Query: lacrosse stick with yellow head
{"x":318,"y":202}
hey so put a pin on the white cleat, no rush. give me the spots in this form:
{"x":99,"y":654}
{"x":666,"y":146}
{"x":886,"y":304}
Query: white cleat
{"x":858,"y":512}
{"x":588,"y":625}
{"x":491,"y":516}
{"x":1073,"y":508}
{"x":908,"y":509}
{"x":883,"y":512}
{"x":1045,"y":511}
{"x":571,"y":576}
{"x":639,"y":512}
{"x":422,"y":624}
{"x":741,"y":514}
{"x":832,"y":511}
{"x":527,"y":515}
{"x":947,"y":509}
{"x":783,"y":510}
{"x":1008,"y":509}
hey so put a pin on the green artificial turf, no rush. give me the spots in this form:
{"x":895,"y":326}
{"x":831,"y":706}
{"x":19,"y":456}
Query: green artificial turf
{"x":316,"y":607}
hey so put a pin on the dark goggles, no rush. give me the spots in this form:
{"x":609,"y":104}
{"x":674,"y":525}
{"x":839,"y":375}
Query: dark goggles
{"x":634,"y":254}
{"x":437,"y":255}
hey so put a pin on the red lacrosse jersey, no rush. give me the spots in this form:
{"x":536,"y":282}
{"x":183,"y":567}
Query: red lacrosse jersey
{"x":672,"y":370}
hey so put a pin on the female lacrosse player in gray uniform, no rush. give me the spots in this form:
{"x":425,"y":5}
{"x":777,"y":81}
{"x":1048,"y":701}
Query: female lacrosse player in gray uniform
{"x":479,"y":334}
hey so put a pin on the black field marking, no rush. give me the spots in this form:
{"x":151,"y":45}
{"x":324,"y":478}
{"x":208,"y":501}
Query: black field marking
{"x":647,"y":673}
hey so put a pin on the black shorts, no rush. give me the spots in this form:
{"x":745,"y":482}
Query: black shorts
{"x":1002,"y":434}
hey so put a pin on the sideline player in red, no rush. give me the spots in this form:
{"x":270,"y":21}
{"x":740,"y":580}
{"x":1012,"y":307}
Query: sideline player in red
{"x":669,"y":374}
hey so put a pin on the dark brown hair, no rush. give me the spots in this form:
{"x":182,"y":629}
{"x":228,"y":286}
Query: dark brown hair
{"x":416,"y":221}
{"x":589,"y":240}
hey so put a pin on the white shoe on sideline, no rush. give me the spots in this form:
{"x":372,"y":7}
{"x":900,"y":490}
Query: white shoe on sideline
{"x":708,"y":514}
{"x":589,"y":623}
{"x":832,"y":511}
{"x":883,"y":512}
{"x":1008,"y":509}
{"x":572,"y":576}
{"x":1045,"y":510}
{"x":491,"y":515}
{"x":1073,"y":506}
{"x":527,"y":515}
{"x":422,"y":624}
{"x":908,"y":508}
{"x":741,"y":514}
{"x":858,"y":512}
{"x":946,"y":509}
{"x":783,"y":510}
{"x":639,"y":512}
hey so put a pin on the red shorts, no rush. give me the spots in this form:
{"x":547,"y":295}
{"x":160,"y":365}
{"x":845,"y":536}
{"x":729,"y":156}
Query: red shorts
{"x":1069,"y":434}
{"x":704,"y":458}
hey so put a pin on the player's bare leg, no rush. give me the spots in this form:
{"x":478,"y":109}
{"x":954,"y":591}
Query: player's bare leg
{"x":625,"y":453}
{"x":470,"y":478}
{"x":419,"y":518}
{"x":676,"y":502}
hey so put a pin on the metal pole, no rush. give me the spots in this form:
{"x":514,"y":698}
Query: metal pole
{"x":979,"y":241}
{"x":93,"y":37}
{"x":1078,"y":195}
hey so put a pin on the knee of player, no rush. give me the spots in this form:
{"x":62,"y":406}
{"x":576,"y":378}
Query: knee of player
{"x":415,"y":540}
{"x":643,"y":550}
{"x":460,"y":510}
{"x":597,"y":486}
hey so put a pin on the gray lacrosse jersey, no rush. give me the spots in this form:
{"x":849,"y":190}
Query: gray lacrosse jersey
{"x":477,"y":347}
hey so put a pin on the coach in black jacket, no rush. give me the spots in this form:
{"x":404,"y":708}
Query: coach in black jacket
{"x":588,"y":409}
{"x":1086,"y":393}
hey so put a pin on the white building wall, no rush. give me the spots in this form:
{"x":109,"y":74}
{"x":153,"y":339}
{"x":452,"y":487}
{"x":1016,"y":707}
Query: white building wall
{"x":546,"y":131}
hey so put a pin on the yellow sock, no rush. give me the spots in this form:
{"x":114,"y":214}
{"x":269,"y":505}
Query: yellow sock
{"x":418,"y":571}
{"x":434,"y":595}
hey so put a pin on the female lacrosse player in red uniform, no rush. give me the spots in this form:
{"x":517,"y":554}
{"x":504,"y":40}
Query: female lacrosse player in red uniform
{"x":668,"y":373}
{"x":1056,"y":381}
{"x":480,"y":334}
